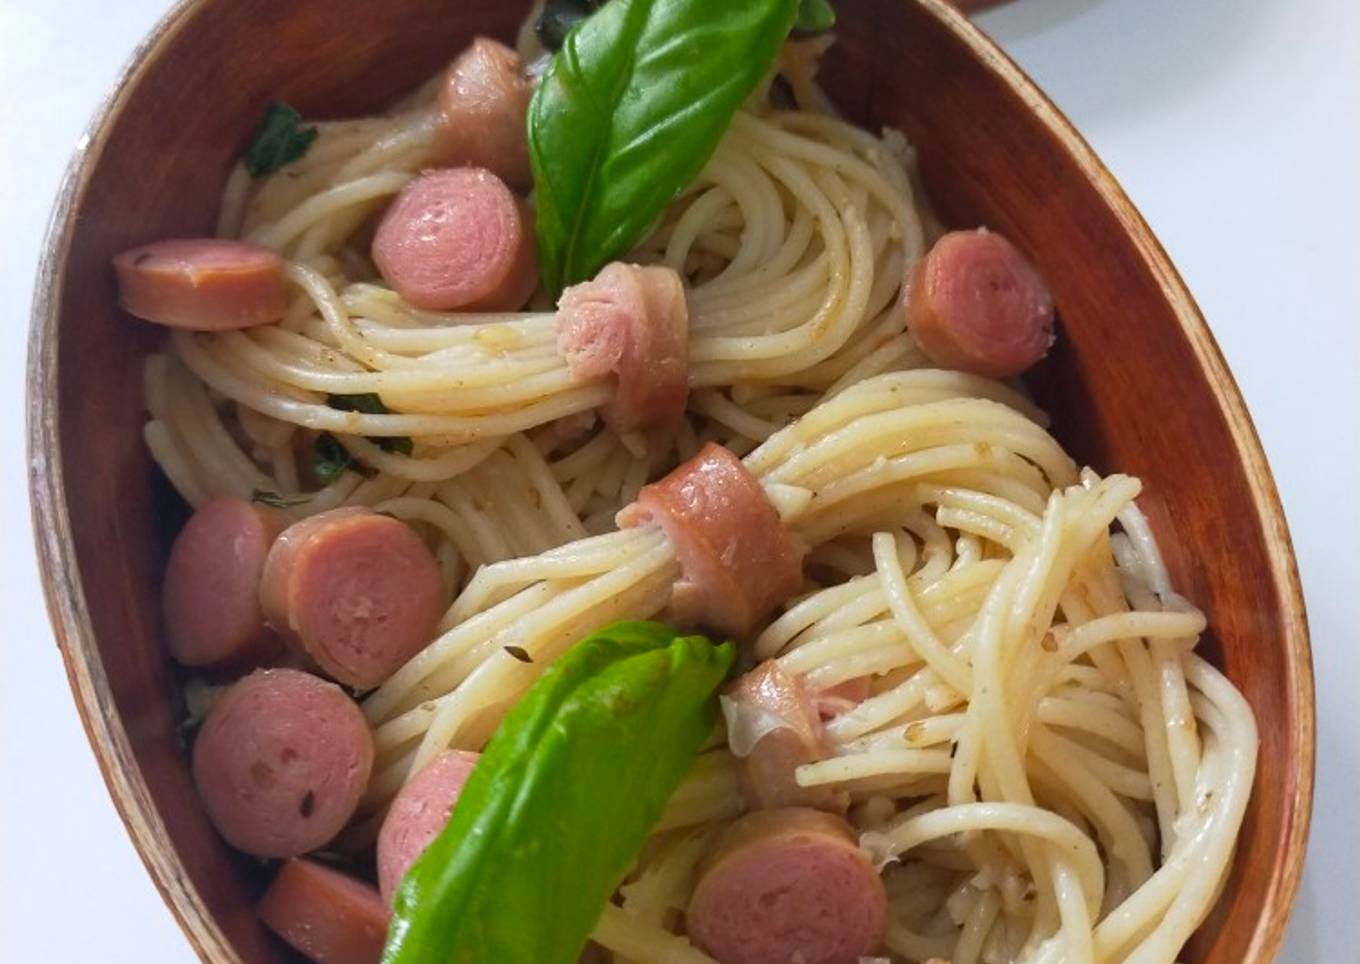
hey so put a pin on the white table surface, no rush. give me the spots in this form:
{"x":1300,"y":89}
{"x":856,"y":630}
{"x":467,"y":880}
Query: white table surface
{"x":1233,"y":124}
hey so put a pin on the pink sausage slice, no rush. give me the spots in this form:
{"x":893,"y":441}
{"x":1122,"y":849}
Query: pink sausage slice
{"x":204,"y":284}
{"x":976,"y":304}
{"x":458,"y":238}
{"x":281,"y":762}
{"x":632,"y":322}
{"x":773,"y":727}
{"x":418,"y":814}
{"x":211,"y":595}
{"x":356,"y":591}
{"x":788,"y":885}
{"x":482,"y":106}
{"x":329,"y":917}
{"x":737,"y":560}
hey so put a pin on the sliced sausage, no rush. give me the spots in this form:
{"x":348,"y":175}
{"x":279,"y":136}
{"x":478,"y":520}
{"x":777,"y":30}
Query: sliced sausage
{"x":204,"y":284}
{"x":357,"y":591}
{"x":211,"y":595}
{"x":788,"y":885}
{"x":841,"y":698}
{"x":482,"y":107}
{"x":737,"y":560}
{"x":976,"y":304}
{"x":773,"y":728}
{"x":458,"y":238}
{"x":329,"y":917}
{"x":632,"y":322}
{"x":281,"y":761}
{"x":418,"y":814}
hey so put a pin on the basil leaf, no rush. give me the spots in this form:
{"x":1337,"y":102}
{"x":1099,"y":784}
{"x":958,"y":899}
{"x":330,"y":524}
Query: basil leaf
{"x":628,"y":113}
{"x":280,"y":139}
{"x":276,"y":501}
{"x":814,"y":16}
{"x":370,"y":404}
{"x":561,"y":801}
{"x":557,"y":19}
{"x":330,"y":459}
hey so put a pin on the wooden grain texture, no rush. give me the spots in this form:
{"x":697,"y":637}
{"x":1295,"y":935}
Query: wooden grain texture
{"x":1136,"y":384}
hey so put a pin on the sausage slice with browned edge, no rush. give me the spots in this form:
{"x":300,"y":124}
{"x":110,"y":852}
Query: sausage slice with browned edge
{"x":631,"y":321}
{"x":355,"y":590}
{"x":281,"y":761}
{"x":203,"y":284}
{"x":418,"y":814}
{"x":737,"y":560}
{"x":329,"y":917}
{"x":211,"y":595}
{"x":976,"y":304}
{"x":788,"y":885}
{"x":458,"y":238}
{"x":773,"y":727}
{"x":482,"y":105}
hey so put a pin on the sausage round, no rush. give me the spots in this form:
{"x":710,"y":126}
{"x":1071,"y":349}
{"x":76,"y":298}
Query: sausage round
{"x":211,"y":595}
{"x":457,"y":238}
{"x":326,"y":915}
{"x":356,"y":591}
{"x":976,"y":304}
{"x":737,"y":560}
{"x":418,"y":814}
{"x":281,"y":762}
{"x":482,"y":105}
{"x":788,"y":885}
{"x":204,"y":284}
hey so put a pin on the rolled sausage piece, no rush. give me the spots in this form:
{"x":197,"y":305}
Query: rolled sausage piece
{"x":632,"y":322}
{"x":281,"y":762}
{"x":736,"y":558}
{"x":788,"y":885}
{"x":356,"y":591}
{"x":458,"y":238}
{"x":482,"y":107}
{"x":329,"y":917}
{"x":976,"y":304}
{"x":204,"y":284}
{"x":211,"y":595}
{"x":418,"y":814}
{"x":773,"y":727}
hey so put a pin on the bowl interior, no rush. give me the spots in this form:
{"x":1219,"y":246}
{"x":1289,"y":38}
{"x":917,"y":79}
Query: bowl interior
{"x":1135,"y":384}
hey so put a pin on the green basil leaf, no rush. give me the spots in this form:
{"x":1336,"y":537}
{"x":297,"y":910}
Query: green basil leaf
{"x":814,"y":16}
{"x":629,"y":112}
{"x":370,"y":404}
{"x":280,"y":139}
{"x":561,"y":801}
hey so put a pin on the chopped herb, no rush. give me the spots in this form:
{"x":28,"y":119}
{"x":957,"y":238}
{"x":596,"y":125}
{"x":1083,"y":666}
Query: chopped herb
{"x":279,"y":140}
{"x":519,"y":653}
{"x":330,"y":459}
{"x":557,"y":19}
{"x":370,"y":404}
{"x":814,"y":16}
{"x":276,"y":501}
{"x":308,"y":804}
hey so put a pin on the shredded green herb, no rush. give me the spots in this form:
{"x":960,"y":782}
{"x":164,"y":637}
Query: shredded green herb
{"x":330,"y":459}
{"x":370,"y":404}
{"x":276,"y":501}
{"x":814,"y":16}
{"x":280,"y":139}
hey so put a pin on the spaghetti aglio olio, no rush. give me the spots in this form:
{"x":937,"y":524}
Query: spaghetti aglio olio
{"x":1036,"y":762}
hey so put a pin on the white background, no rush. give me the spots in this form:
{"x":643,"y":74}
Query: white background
{"x":1233,"y":124}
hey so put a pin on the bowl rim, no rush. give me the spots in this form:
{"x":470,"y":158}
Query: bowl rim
{"x":70,"y":618}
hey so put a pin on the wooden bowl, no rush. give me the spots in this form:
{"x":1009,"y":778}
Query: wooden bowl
{"x":1136,"y":383}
